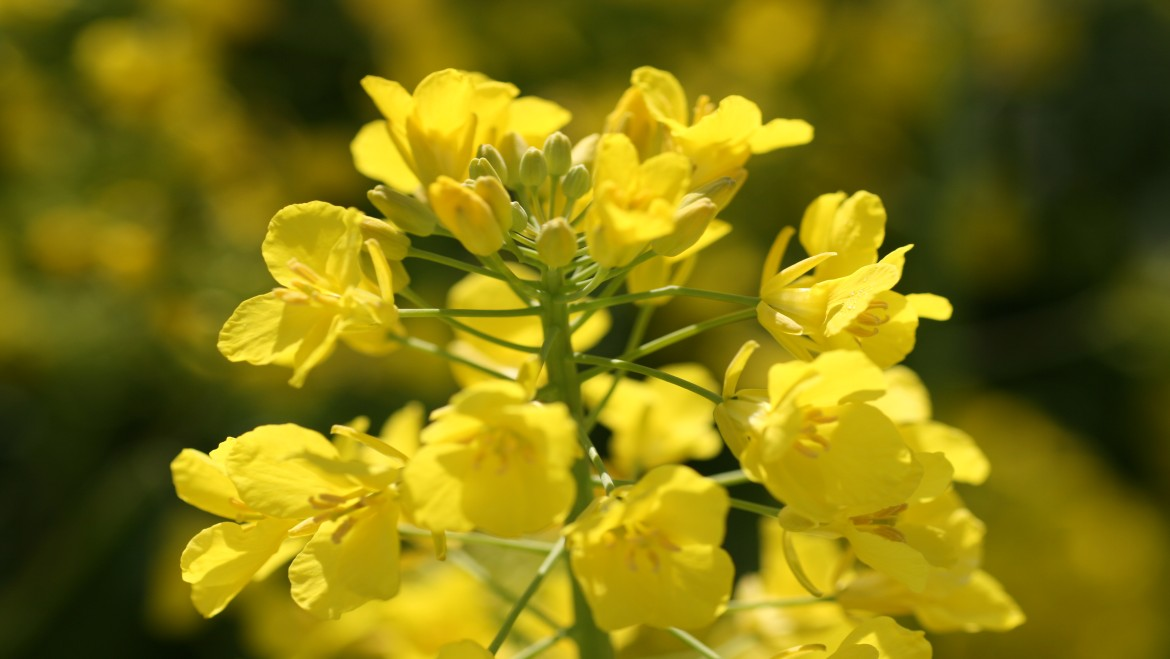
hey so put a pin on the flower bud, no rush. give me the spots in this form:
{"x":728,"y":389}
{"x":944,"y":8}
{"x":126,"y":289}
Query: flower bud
{"x":533,"y":168}
{"x":392,"y":239}
{"x":690,"y":221}
{"x":721,"y":190}
{"x":492,"y":191}
{"x":577,"y":182}
{"x":558,"y":151}
{"x":511,"y":149}
{"x":408,"y":213}
{"x":480,"y":167}
{"x":466,"y":215}
{"x":496,"y":160}
{"x":519,"y":217}
{"x":557,"y":243}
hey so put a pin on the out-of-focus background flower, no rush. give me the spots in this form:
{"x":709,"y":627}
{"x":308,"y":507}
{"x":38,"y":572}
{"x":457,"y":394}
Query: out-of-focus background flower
{"x":1023,"y":145}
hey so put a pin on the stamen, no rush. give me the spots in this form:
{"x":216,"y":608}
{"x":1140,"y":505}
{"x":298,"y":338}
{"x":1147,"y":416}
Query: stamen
{"x":289,"y":296}
{"x":341,"y":530}
{"x":861,"y":332}
{"x":304,"y":272}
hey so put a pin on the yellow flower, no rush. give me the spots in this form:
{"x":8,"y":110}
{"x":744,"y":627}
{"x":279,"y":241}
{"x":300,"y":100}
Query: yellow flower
{"x":650,"y":553}
{"x":633,"y":202}
{"x":470,"y":214}
{"x":495,"y":460}
{"x":314,"y":252}
{"x":478,"y":292}
{"x":882,"y":638}
{"x":290,"y":481}
{"x":847,"y":303}
{"x":958,"y":595}
{"x":719,"y":140}
{"x":656,"y":423}
{"x":435,"y":131}
{"x":907,"y":403}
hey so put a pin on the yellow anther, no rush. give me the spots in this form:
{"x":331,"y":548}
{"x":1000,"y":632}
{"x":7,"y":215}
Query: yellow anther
{"x":289,"y":296}
{"x":862,"y":332}
{"x":304,"y":272}
{"x":341,"y":530}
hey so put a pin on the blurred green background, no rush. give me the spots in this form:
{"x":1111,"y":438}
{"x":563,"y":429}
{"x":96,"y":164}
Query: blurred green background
{"x":1023,"y":145}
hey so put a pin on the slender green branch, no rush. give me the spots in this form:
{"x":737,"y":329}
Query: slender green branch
{"x":741,"y":605}
{"x":414,"y":252}
{"x":729,"y":478}
{"x":694,"y":643}
{"x":641,"y":322}
{"x":666,"y":291}
{"x":753,"y":507}
{"x":430,"y":348}
{"x":541,"y":645}
{"x":467,"y":313}
{"x":522,"y":289}
{"x":522,"y":601}
{"x":491,"y":338}
{"x":477,"y":570}
{"x":534,"y":546}
{"x":610,"y":287}
{"x":674,"y":337}
{"x":583,"y":358}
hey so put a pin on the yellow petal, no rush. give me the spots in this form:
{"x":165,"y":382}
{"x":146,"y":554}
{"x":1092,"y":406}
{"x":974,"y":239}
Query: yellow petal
{"x":850,"y":296}
{"x":204,"y":484}
{"x":512,"y":495}
{"x":688,"y":507}
{"x":434,"y":487}
{"x":969,"y":462}
{"x":846,"y":376}
{"x":929,"y":305}
{"x":326,"y":238}
{"x":854,"y":228}
{"x":265,"y":330}
{"x":375,"y":155}
{"x":534,"y":118}
{"x":976,"y":604}
{"x":443,"y":101}
{"x":891,"y":640}
{"x":349,"y":562}
{"x":467,"y":216}
{"x":897,"y":560}
{"x":280,"y":469}
{"x":663,"y":94}
{"x":780,"y":133}
{"x":221,"y":560}
{"x":393,"y":101}
{"x":906,"y":399}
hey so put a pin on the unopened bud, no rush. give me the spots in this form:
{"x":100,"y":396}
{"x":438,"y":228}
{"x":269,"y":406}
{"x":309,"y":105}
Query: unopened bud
{"x":496,"y":160}
{"x":410,"y":214}
{"x":492,"y":191}
{"x":533,"y":168}
{"x":577,"y":182}
{"x":466,"y":215}
{"x":511,"y":149}
{"x":393,"y":240}
{"x":558,"y":151}
{"x":519,"y":217}
{"x":480,"y":167}
{"x":721,"y":190}
{"x":557,"y":243}
{"x":690,"y":222}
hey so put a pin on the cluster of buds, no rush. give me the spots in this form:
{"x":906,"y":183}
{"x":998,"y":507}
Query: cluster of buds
{"x":866,"y":522}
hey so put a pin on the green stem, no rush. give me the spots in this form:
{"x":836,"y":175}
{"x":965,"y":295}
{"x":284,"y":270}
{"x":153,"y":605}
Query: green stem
{"x":430,"y":348}
{"x":641,"y":322}
{"x":666,"y":291}
{"x":533,"y":546}
{"x":757,"y":508}
{"x":610,"y":287}
{"x":520,"y":288}
{"x":563,"y":385}
{"x":522,"y":601}
{"x":740,"y":605}
{"x":695,"y":643}
{"x":674,"y":337}
{"x":541,"y":645}
{"x":416,"y":299}
{"x":467,"y":313}
{"x":475,"y":569}
{"x":583,"y":358}
{"x":729,"y":478}
{"x":414,"y":252}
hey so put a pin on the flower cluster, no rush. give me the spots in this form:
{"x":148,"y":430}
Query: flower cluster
{"x":869,"y":524}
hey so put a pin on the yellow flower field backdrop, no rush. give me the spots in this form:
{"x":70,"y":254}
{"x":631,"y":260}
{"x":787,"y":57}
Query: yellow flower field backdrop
{"x":1020,"y":145}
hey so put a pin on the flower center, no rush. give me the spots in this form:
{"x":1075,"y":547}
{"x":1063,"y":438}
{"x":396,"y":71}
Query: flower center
{"x":867,"y":322}
{"x":641,"y":545}
{"x":881,"y":523}
{"x":809,"y":442}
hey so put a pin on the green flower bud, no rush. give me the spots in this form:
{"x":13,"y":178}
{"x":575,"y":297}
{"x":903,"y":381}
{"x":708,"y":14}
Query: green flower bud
{"x":511,"y":149}
{"x":480,"y":167}
{"x":410,"y":214}
{"x":533,"y":168}
{"x":493,"y":156}
{"x":558,"y":151}
{"x":519,"y":217}
{"x":576,"y":182}
{"x":556,"y":245}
